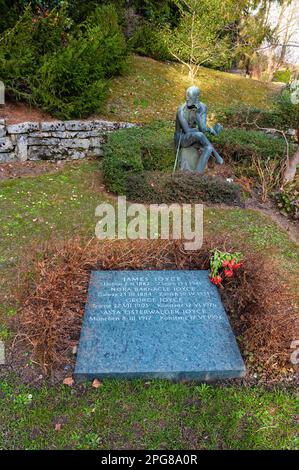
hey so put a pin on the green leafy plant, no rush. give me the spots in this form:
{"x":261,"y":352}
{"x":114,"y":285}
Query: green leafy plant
{"x":4,"y":333}
{"x":9,"y":14}
{"x":223,"y":265}
{"x":283,"y":76}
{"x":288,"y":199}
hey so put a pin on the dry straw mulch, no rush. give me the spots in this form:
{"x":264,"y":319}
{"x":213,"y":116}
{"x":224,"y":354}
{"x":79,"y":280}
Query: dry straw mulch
{"x":53,"y":297}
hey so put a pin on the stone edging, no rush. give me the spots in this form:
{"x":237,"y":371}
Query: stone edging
{"x":56,"y":140}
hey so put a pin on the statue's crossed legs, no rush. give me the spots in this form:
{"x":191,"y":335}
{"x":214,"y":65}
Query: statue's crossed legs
{"x":196,"y":138}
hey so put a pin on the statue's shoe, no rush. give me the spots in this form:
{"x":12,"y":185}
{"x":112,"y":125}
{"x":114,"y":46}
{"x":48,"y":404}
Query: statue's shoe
{"x":220,"y":161}
{"x":218,"y":128}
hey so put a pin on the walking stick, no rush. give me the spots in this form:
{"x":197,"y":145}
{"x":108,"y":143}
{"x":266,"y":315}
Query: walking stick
{"x":177,"y":154}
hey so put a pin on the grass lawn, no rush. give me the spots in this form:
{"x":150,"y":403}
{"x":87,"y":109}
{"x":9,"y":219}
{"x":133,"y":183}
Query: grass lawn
{"x":63,"y":204}
{"x":152,"y":90}
{"x":128,"y":414}
{"x":155,"y":415}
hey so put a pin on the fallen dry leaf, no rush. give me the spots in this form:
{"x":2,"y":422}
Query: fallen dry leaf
{"x":68,"y":381}
{"x":96,"y":383}
{"x":58,"y":427}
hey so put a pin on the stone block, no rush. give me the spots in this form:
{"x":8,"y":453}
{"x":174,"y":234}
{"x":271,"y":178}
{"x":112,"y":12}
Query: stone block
{"x":188,"y":158}
{"x":156,"y":324}
{"x":23,"y":128}
{"x":6,"y":145}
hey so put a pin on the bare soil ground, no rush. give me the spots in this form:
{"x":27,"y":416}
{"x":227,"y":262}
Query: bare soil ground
{"x":15,"y":113}
{"x":21,"y":169}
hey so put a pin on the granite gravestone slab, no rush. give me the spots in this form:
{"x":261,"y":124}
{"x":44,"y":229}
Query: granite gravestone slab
{"x":167,"y":324}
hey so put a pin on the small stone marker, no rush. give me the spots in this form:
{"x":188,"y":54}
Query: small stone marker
{"x":166,"y":324}
{"x":2,"y":353}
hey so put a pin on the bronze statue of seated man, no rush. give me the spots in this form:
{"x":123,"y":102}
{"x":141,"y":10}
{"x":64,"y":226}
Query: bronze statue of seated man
{"x":191,"y":126}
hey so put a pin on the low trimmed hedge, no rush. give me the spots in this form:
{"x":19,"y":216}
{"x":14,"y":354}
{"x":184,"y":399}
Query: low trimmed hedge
{"x":283,"y":115}
{"x":238,"y":145}
{"x":134,"y":151}
{"x":245,"y":117}
{"x":181,"y":187}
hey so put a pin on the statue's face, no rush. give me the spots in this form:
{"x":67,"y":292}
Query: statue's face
{"x":192,"y":97}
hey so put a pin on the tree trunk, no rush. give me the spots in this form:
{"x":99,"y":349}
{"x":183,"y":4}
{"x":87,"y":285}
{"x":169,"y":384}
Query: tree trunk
{"x":272,"y":65}
{"x":290,"y":172}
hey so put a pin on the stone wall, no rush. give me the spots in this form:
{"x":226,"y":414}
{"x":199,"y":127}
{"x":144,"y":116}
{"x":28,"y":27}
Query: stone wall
{"x":56,"y":140}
